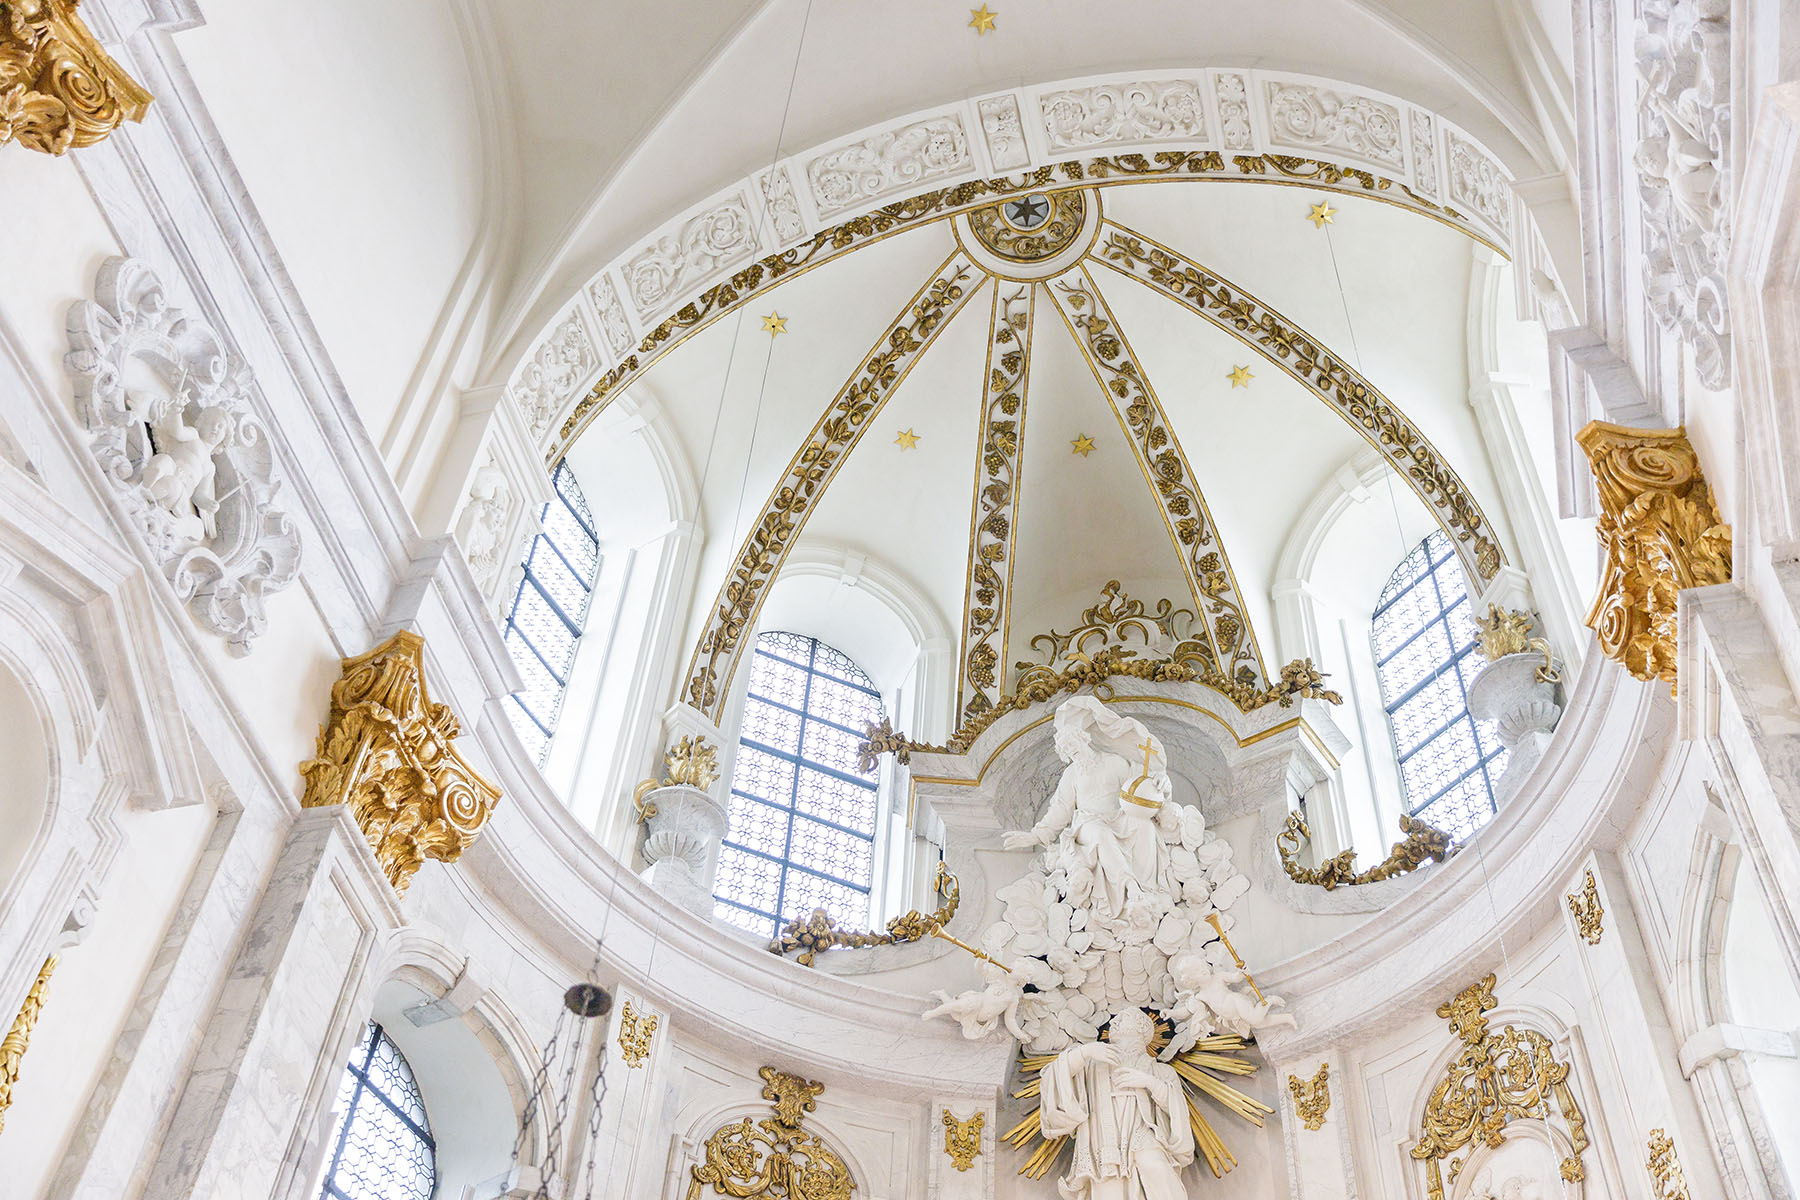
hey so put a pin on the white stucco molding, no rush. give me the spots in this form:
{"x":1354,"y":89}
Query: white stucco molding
{"x":650,"y":297}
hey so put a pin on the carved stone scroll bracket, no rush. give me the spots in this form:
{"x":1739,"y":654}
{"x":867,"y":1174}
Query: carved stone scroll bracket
{"x":388,"y":752}
{"x":1661,"y":534}
{"x":58,"y":88}
{"x":171,"y":424}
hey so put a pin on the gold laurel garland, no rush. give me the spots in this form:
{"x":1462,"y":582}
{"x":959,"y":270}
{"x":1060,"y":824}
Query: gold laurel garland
{"x":1230,"y":308}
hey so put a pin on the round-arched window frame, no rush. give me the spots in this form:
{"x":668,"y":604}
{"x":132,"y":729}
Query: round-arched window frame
{"x":550,"y":609}
{"x":803,"y":816}
{"x":1423,"y":634}
{"x":381,"y":1144}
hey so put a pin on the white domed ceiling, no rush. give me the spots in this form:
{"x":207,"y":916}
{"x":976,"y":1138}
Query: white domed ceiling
{"x":1009,"y":407}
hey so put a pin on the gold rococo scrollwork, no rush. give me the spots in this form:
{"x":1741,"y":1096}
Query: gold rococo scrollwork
{"x":1661,"y":535}
{"x":962,"y":1139}
{"x":18,"y":1037}
{"x":636,"y":1030}
{"x":58,"y":88}
{"x":775,"y":1157}
{"x":1058,"y":230}
{"x":750,"y":282}
{"x":1312,"y":1097}
{"x":388,"y":752}
{"x":1422,"y":844}
{"x":1496,"y":1079}
{"x":1584,"y":906}
{"x":1664,"y":1165}
{"x":810,"y":935}
{"x":1507,"y":631}
{"x":690,"y":762}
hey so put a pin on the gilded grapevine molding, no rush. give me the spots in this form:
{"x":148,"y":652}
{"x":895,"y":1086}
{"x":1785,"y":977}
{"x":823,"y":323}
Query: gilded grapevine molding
{"x":1306,"y":360}
{"x":987,"y":604}
{"x":1167,"y":472}
{"x":837,"y":432}
{"x":1208,"y":125}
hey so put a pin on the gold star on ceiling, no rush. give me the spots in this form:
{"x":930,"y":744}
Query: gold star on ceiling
{"x":906,"y":439}
{"x":774,"y":324}
{"x":1321,"y":214}
{"x":981,"y":20}
{"x":1240,"y":377}
{"x":1083,"y":445}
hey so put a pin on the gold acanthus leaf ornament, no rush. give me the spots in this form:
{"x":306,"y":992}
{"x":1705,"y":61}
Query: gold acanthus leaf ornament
{"x":962,"y":1139}
{"x":1312,"y":1097}
{"x":1584,"y":906}
{"x":1661,"y":535}
{"x":1664,"y":1166}
{"x":18,"y":1037}
{"x":690,"y":762}
{"x":388,"y":752}
{"x":775,"y":1157}
{"x":1422,"y":844}
{"x":58,"y":88}
{"x":810,"y":935}
{"x":1506,"y":631}
{"x":636,"y":1030}
{"x":1496,"y":1079}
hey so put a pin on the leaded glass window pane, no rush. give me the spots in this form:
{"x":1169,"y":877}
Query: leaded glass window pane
{"x":381,"y":1143}
{"x":802,"y":816}
{"x":1424,"y":639}
{"x":550,"y":609}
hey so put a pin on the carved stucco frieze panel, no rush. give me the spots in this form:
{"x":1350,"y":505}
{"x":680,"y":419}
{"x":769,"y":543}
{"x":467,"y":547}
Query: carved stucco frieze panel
{"x":1311,"y":118}
{"x":1005,"y":132}
{"x":782,"y":205}
{"x":879,"y":166}
{"x":1107,"y":114}
{"x":561,"y":364}
{"x":1479,"y":183}
{"x":1684,"y":176}
{"x":169,"y":419}
{"x":1424,"y":152}
{"x":1233,"y":96}
{"x":703,"y":247}
{"x":482,"y":528}
{"x":615,"y":327}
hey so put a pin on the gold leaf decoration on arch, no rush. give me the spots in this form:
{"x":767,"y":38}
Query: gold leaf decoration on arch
{"x":987,"y":606}
{"x":1165,"y":466}
{"x":1306,"y":360}
{"x":388,"y":751}
{"x":1185,"y":166}
{"x":1498,"y":1078}
{"x":58,"y":88}
{"x":775,"y":1158}
{"x":838,"y":431}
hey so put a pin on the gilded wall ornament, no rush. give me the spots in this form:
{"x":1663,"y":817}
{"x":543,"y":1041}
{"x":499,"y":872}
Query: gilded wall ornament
{"x":1422,"y":844}
{"x":690,"y":762}
{"x":18,"y":1037}
{"x":58,"y":88}
{"x":1312,"y":1097}
{"x":833,"y":437}
{"x":635,"y":1031}
{"x":1584,"y":906}
{"x":1165,"y":466}
{"x":1031,"y":227}
{"x":1305,"y":360}
{"x":987,"y":606}
{"x":1661,"y":535}
{"x":172,"y":425}
{"x":1496,"y":1079}
{"x":1505,"y":631}
{"x":388,"y":751}
{"x":774,"y":1157}
{"x":1664,"y":1166}
{"x":819,"y":932}
{"x":962,"y":1139}
{"x":748,"y":283}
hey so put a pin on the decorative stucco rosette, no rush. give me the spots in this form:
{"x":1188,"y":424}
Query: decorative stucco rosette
{"x":169,"y":419}
{"x":1033,"y":235}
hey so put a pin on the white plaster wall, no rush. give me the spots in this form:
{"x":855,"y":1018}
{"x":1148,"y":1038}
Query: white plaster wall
{"x":356,"y":130}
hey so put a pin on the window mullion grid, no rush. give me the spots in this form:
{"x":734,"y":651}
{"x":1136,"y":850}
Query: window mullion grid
{"x":797,"y":866}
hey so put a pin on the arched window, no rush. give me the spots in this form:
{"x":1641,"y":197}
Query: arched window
{"x":1424,"y":637}
{"x":381,"y":1146}
{"x":550,"y":609}
{"x":802,"y":832}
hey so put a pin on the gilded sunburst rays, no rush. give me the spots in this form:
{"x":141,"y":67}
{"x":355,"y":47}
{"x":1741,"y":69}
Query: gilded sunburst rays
{"x":1327,"y":376}
{"x":836,"y":433}
{"x":1166,"y":470}
{"x":987,"y":604}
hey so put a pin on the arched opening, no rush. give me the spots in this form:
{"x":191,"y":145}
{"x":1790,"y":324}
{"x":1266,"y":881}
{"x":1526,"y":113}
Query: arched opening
{"x":381,"y":1145}
{"x":1423,"y":631}
{"x":803,"y":815}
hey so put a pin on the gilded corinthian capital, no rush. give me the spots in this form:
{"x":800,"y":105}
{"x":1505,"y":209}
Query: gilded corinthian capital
{"x":387,"y":751}
{"x":1661,"y":534}
{"x":58,"y":88}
